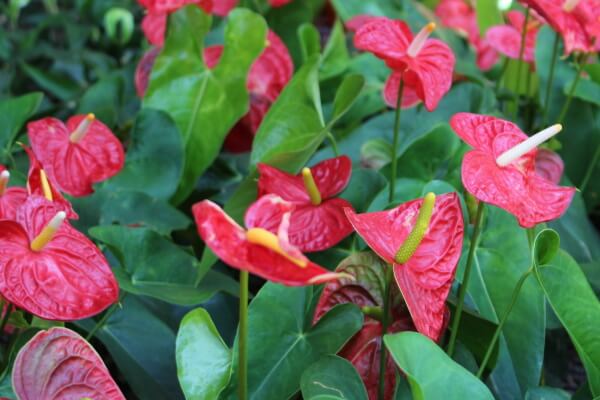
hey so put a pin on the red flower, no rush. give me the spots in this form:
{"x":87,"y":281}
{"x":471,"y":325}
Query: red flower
{"x":425,"y":65}
{"x":78,"y":154}
{"x":257,"y":250}
{"x":366,"y":290}
{"x":549,"y":165}
{"x":577,"y":21}
{"x":279,"y":3}
{"x":459,"y":15}
{"x":40,"y":184}
{"x":60,"y":364}
{"x":154,"y":24}
{"x":426,"y":277}
{"x":223,"y":7}
{"x":501,"y":169}
{"x":50,"y":269}
{"x":268,"y":75}
{"x":356,"y":22}
{"x":506,"y":39}
{"x":11,"y":198}
{"x":143,"y":70}
{"x":318,"y":221}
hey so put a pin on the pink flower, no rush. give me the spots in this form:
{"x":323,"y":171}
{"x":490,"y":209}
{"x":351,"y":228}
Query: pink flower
{"x":506,"y":39}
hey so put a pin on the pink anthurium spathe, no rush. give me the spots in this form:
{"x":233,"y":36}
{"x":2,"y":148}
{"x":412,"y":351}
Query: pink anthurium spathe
{"x":11,"y":198}
{"x":424,"y":65}
{"x":501,"y":169}
{"x":77,"y":154}
{"x":50,"y":269}
{"x":549,"y":165}
{"x":318,"y":221}
{"x":506,"y":39}
{"x":58,"y":364}
{"x":256,"y":250}
{"x":422,"y":239}
{"x":577,"y":21}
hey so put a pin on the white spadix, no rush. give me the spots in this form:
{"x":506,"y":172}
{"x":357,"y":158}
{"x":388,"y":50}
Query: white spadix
{"x":527,"y":145}
{"x":419,"y":41}
{"x":569,"y":5}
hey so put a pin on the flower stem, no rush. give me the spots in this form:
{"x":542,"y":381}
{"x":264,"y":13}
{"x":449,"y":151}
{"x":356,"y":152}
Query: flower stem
{"x":465,"y":283}
{"x":513,"y":300}
{"x":389,"y":276}
{"x":550,"y":78}
{"x":333,"y":143}
{"x":565,"y":109}
{"x":395,"y":141}
{"x":590,"y":169}
{"x":521,"y":62}
{"x":105,"y":317}
{"x":243,"y":338}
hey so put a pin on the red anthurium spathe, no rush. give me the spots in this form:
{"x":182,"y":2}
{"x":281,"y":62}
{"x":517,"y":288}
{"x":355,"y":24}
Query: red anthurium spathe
{"x":354,"y":23}
{"x":424,"y":65}
{"x":78,"y":154}
{"x":501,"y":170}
{"x":58,"y":364}
{"x":50,"y":269}
{"x":154,"y":24}
{"x":577,"y":21}
{"x":506,"y":39}
{"x":143,"y":70}
{"x":318,"y":221}
{"x":223,"y":7}
{"x":425,"y":276}
{"x":257,"y":250}
{"x":11,"y":198}
{"x":549,"y":165}
{"x":366,"y":290}
{"x":279,"y":3}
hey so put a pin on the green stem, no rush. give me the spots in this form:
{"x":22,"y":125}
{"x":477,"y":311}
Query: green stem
{"x":590,"y":169}
{"x":395,"y":141}
{"x":520,"y":66}
{"x":389,"y":276}
{"x":550,"y":78}
{"x":530,"y":236}
{"x":502,"y":72}
{"x":465,"y":283}
{"x":565,"y":109}
{"x":243,"y":338}
{"x":513,"y":300}
{"x":105,"y":317}
{"x":333,"y":143}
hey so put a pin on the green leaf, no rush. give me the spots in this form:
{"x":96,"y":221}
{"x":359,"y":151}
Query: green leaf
{"x":501,"y":257}
{"x":15,"y":112}
{"x":350,"y":8}
{"x":364,"y":185}
{"x":578,"y":309}
{"x":346,"y":95}
{"x":547,"y":393}
{"x":204,"y":103}
{"x":103,"y":99}
{"x":153,"y":266}
{"x":154,"y":160}
{"x":586,"y":90}
{"x":143,"y":347}
{"x":488,"y":15}
{"x":58,"y":84}
{"x":335,"y":55}
{"x":545,"y":246}
{"x":310,"y":41}
{"x":282,"y":340}
{"x":203,"y":359}
{"x":332,"y":377}
{"x":430,"y":372}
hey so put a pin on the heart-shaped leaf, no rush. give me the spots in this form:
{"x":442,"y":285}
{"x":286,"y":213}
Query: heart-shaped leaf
{"x":15,"y":113}
{"x":333,"y":378}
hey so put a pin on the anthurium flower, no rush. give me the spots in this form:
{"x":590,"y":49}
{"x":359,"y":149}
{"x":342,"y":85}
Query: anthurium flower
{"x":500,"y":170}
{"x":143,"y":70}
{"x":549,"y":165}
{"x":257,"y":250}
{"x":424,"y":65}
{"x":78,"y":154}
{"x":318,"y":221}
{"x":461,"y":16}
{"x":40,"y":184}
{"x":50,"y":269}
{"x":422,"y":239}
{"x":366,"y":291}
{"x":577,"y":21}
{"x":279,"y":3}
{"x":11,"y":198}
{"x":59,"y":364}
{"x":268,"y":75}
{"x":506,"y":39}
{"x":356,"y":22}
{"x":154,"y":24}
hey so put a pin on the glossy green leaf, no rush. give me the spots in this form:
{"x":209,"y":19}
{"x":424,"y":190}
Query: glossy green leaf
{"x":143,"y":347}
{"x":153,"y":266}
{"x":346,"y":95}
{"x":103,"y":99}
{"x":58,"y":84}
{"x":335,"y":54}
{"x":430,"y":372}
{"x":545,"y":246}
{"x":547,"y":393}
{"x":282,"y":340}
{"x":586,"y":90}
{"x":578,"y":309}
{"x":332,"y":377}
{"x":488,"y":15}
{"x":310,"y":41}
{"x":203,"y":359}
{"x":154,"y":160}
{"x":350,"y":8}
{"x":15,"y":112}
{"x":204,"y":103}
